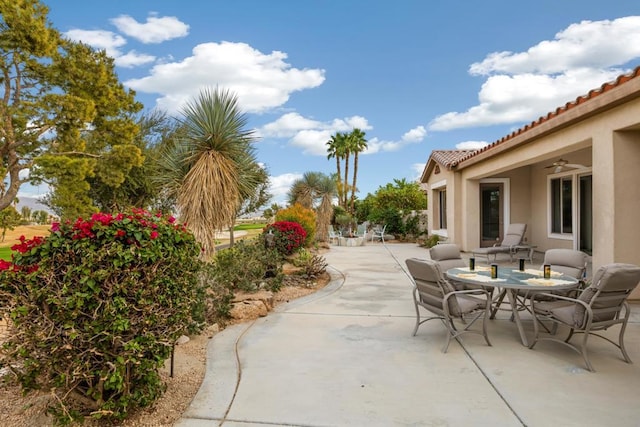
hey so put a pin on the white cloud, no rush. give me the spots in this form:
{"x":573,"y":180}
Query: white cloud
{"x":523,"y":86}
{"x":471,"y":145}
{"x":111,"y":43}
{"x":279,"y":186}
{"x":133,"y":59}
{"x":416,"y":134}
{"x":312,"y":135}
{"x":288,"y":125}
{"x":417,"y":169}
{"x":155,"y":30}
{"x":308,"y":134}
{"x":587,"y":44}
{"x":261,"y":81}
{"x":99,"y":39}
{"x":412,"y":136}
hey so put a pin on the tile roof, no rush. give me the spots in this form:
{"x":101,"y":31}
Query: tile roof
{"x":450,"y":158}
{"x":620,"y":80}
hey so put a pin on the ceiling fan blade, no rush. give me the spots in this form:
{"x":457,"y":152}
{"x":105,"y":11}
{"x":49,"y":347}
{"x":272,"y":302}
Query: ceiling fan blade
{"x":575,"y":166}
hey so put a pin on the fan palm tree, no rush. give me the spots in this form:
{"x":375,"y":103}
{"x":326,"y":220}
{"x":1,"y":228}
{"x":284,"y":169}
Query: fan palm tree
{"x":357,"y":143}
{"x":208,"y":169}
{"x":303,"y":190}
{"x":316,"y":190}
{"x":336,"y":148}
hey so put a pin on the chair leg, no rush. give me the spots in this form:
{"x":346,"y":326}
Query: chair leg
{"x":621,"y":345}
{"x":484,"y":324}
{"x":583,"y":350}
{"x":415,"y":330}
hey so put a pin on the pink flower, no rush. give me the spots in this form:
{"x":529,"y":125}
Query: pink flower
{"x":171,"y":220}
{"x":55,"y":226}
{"x":154,"y":235}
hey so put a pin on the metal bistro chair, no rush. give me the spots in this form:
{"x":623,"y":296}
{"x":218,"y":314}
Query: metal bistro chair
{"x":598,"y":307}
{"x":334,"y":235}
{"x":378,"y":233}
{"x":432,"y":291}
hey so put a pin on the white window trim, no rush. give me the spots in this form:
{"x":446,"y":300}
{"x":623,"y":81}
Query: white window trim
{"x":442,"y":232}
{"x":574,"y":174}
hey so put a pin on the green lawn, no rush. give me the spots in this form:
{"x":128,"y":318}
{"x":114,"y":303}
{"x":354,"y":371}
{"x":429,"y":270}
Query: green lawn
{"x":259,"y":226}
{"x":5,"y":253}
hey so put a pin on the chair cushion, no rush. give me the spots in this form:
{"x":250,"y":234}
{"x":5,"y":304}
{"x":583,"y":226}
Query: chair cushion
{"x":491,"y":250}
{"x":468,"y":303}
{"x":616,"y":281}
{"x":444,"y":251}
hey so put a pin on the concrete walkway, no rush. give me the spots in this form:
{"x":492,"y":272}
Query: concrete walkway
{"x":345,"y":357}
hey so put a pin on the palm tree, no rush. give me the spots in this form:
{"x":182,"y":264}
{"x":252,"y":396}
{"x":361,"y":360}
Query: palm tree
{"x":357,"y":144}
{"x":336,"y":148}
{"x":316,"y":190}
{"x":303,"y":190}
{"x":208,"y":168}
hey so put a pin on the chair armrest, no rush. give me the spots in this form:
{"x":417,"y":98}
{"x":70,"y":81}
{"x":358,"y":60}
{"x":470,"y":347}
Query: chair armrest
{"x":467,"y":291}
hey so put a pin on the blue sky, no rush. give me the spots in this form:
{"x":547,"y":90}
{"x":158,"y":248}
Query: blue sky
{"x":415,"y":75}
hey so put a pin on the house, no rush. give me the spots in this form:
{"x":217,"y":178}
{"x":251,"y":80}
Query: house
{"x":573,"y":176}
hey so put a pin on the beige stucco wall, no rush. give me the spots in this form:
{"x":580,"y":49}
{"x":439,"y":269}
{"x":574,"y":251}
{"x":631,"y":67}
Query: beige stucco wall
{"x":608,"y":142}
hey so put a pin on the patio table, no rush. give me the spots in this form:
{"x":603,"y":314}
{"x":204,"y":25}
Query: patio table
{"x":511,"y":281}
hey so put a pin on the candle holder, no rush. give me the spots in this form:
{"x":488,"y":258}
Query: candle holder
{"x":494,"y":271}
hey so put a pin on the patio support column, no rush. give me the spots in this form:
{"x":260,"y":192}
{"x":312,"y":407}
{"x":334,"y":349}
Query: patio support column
{"x":616,"y":198}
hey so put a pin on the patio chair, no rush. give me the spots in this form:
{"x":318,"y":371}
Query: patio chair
{"x":361,"y":230}
{"x":334,"y":235}
{"x":432,"y":291}
{"x":598,"y":307}
{"x":378,"y":233}
{"x":447,"y":255}
{"x":513,"y":238}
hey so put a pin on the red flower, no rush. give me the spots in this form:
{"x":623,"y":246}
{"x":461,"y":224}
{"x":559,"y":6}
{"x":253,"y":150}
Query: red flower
{"x":154,"y":235}
{"x":120,"y":233}
{"x":5,"y":265}
{"x":171,"y":220}
{"x":55,"y":226}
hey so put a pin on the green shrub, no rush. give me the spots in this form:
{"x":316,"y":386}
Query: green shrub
{"x":312,"y":265}
{"x":95,"y":309}
{"x":248,"y":266}
{"x":303,"y":216}
{"x":285,"y":236}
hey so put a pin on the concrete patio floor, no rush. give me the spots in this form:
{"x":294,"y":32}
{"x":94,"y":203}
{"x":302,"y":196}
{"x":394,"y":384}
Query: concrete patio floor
{"x":345,"y":357}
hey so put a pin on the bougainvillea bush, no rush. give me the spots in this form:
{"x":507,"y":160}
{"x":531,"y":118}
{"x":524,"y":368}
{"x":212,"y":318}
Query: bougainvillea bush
{"x":287,"y":238}
{"x":303,"y":216}
{"x":95,"y":308}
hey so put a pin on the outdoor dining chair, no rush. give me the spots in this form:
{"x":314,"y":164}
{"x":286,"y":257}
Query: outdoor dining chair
{"x":378,"y":233}
{"x":433,"y":292}
{"x":334,"y":235}
{"x":512,"y":238}
{"x":600,"y":306}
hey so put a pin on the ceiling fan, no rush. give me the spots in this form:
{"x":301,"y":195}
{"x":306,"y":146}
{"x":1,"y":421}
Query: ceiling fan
{"x":561,"y":164}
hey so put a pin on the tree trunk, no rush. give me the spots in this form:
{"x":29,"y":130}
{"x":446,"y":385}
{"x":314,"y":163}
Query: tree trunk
{"x":345,"y":190}
{"x":353,"y":188}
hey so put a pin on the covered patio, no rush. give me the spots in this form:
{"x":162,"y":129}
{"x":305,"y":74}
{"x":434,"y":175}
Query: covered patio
{"x":572,"y":176}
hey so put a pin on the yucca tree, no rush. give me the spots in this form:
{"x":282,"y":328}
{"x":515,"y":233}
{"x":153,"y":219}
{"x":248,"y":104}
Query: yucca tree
{"x":326,"y":191}
{"x":208,"y":169}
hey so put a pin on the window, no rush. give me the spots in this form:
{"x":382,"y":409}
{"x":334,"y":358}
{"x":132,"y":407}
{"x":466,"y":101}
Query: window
{"x":442,"y":209}
{"x":561,"y":205}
